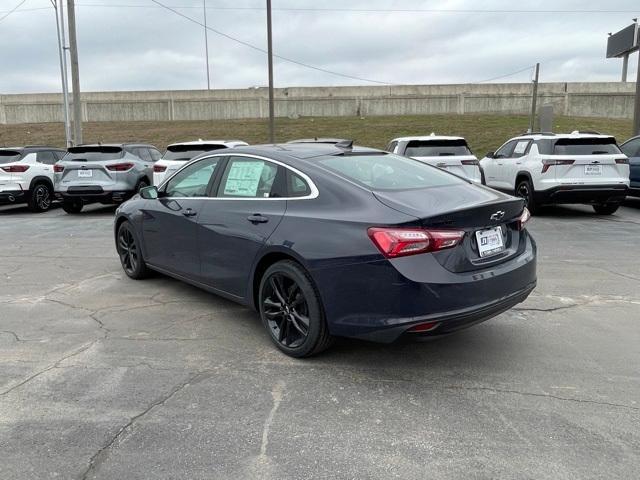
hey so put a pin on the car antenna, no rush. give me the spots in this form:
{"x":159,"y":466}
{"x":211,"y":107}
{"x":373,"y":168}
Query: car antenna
{"x":345,"y":144}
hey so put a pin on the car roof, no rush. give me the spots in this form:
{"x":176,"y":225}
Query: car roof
{"x":121,"y":145}
{"x":318,"y":140}
{"x":629,"y":139}
{"x":427,"y":138}
{"x":550,"y":135}
{"x":302,"y":150}
{"x":33,"y":147}
{"x":231,"y":143}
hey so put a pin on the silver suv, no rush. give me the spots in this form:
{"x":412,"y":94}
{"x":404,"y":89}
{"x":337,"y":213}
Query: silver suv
{"x":104,"y":173}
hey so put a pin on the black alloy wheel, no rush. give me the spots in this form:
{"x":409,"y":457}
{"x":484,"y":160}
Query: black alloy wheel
{"x":524,"y":190}
{"x":40,"y":200}
{"x":129,"y":252}
{"x":291,"y":311}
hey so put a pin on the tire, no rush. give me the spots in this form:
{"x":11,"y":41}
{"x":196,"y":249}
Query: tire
{"x":606,"y":208}
{"x":40,"y":197}
{"x":129,"y":252}
{"x":291,"y":310}
{"x":72,"y":206}
{"x":524,"y":190}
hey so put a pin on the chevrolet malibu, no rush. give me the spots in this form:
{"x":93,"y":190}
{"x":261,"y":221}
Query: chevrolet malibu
{"x":333,"y":240}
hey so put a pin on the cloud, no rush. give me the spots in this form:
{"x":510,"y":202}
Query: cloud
{"x":151,"y":48}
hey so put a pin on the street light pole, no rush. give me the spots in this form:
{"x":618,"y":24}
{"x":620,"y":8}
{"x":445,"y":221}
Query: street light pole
{"x":206,"y":43}
{"x":75,"y":74}
{"x":270,"y":55}
{"x":63,"y":68}
{"x":534,"y":98}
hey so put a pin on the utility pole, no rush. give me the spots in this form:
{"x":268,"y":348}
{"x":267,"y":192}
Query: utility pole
{"x":534,"y":98}
{"x":63,"y":68}
{"x":272,"y":134}
{"x":75,"y":74}
{"x":636,"y":108}
{"x":625,"y":66}
{"x":206,"y":42}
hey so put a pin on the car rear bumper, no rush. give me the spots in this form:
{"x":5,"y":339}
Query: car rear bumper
{"x":95,"y":194}
{"x":374,"y":301}
{"x":582,"y":194}
{"x":12,"y":196}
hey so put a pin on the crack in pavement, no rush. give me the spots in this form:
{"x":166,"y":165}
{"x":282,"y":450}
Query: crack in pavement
{"x":100,"y":456}
{"x":78,"y":351}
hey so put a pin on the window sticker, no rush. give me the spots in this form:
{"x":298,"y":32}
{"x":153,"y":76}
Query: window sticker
{"x":243,"y":179}
{"x":521,"y":147}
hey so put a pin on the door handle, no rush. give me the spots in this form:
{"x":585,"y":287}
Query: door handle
{"x":257,"y":218}
{"x":189,"y":213}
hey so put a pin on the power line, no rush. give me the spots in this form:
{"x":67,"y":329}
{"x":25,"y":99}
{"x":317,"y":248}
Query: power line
{"x":354,"y":10}
{"x":530,"y":67}
{"x":12,"y":10}
{"x":259,"y":49}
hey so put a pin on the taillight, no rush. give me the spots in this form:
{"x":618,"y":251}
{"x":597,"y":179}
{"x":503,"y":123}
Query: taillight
{"x":546,"y":163}
{"x":622,"y":161}
{"x":400,"y":242}
{"x":16,"y":168}
{"x":120,"y":167}
{"x":470,"y":162}
{"x":424,"y":327}
{"x":523,"y":218}
{"x":159,"y":168}
{"x":58,"y":168}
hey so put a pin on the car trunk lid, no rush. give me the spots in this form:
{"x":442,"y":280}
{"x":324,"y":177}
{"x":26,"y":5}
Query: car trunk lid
{"x":481,"y":213}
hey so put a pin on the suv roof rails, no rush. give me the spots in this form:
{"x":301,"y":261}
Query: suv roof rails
{"x":588,"y":132}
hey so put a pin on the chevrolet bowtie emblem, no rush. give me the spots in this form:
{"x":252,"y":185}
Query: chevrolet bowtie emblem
{"x":497,"y":216}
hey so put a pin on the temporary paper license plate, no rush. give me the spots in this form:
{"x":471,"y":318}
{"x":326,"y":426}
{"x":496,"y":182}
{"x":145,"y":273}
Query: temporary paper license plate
{"x":489,"y":241}
{"x":593,"y":169}
{"x":85,"y":173}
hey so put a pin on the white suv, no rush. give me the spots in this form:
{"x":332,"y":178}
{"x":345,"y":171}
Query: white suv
{"x":548,"y":168}
{"x":179,"y":153}
{"x":26,"y":175}
{"x":449,"y":153}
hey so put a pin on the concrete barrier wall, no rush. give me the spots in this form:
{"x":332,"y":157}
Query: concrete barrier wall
{"x":612,"y":100}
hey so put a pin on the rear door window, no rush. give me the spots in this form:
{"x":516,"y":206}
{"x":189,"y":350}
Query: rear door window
{"x":437,"y":148}
{"x":388,"y":171}
{"x":586,"y":146}
{"x":520,"y":148}
{"x":251,"y":178}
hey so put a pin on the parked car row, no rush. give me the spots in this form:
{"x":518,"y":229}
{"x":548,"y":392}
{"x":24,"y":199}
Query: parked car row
{"x":542,"y":168}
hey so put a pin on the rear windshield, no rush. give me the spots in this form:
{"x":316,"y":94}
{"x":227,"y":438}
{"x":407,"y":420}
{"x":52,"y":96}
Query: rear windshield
{"x":8,"y":156}
{"x":388,"y":171}
{"x":93,"y":154}
{"x":187,"y":152}
{"x":436,"y":148}
{"x":586,"y":146}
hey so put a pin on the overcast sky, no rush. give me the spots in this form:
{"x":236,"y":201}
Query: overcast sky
{"x":137,"y":45}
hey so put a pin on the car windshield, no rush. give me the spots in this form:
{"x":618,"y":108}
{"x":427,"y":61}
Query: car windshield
{"x":93,"y":154}
{"x":388,"y":171}
{"x":8,"y":156}
{"x":586,"y":146}
{"x":184,"y":153}
{"x":436,"y":148}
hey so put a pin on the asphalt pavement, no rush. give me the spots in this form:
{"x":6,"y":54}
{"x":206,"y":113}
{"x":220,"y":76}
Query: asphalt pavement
{"x":106,"y":377}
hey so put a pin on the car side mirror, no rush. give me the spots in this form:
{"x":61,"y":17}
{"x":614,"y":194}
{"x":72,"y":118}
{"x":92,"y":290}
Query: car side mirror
{"x":490,"y":154}
{"x":149,"y":193}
